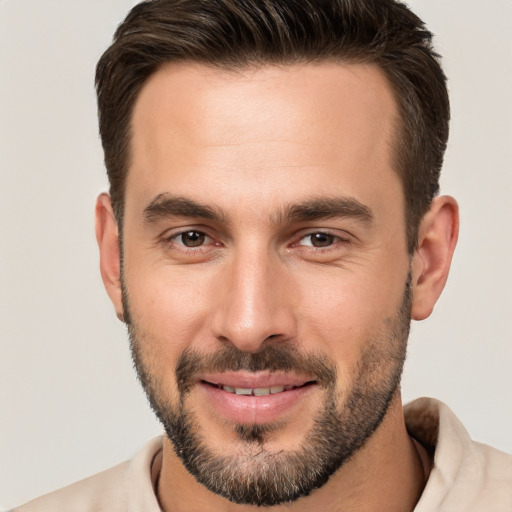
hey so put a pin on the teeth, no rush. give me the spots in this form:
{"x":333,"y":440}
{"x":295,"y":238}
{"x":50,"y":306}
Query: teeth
{"x":243,"y":391}
{"x":256,"y":391}
{"x":261,"y":391}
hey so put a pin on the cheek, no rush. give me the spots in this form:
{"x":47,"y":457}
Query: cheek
{"x":334,"y":317}
{"x":343,"y":312}
{"x":169,"y":310}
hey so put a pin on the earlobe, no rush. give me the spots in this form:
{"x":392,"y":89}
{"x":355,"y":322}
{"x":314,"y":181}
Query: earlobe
{"x":437,"y":237}
{"x":107,"y":237}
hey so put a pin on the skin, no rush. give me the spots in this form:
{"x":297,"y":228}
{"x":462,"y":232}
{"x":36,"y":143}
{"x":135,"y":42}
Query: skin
{"x":250,"y":144}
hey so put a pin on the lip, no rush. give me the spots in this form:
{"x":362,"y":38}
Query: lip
{"x":256,"y":379}
{"x":249,"y":409}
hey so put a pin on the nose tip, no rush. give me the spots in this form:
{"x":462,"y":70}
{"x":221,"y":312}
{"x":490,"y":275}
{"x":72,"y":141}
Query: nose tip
{"x":248,"y":325}
{"x":254,"y":307}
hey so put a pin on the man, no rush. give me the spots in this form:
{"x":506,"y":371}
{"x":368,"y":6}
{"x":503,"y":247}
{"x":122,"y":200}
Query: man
{"x":273,"y":225}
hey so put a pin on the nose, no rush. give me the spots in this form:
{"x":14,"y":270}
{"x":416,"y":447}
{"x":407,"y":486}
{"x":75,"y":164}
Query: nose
{"x":255,"y":302}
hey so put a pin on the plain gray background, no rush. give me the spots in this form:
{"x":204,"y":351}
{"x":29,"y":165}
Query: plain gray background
{"x":69,"y":401}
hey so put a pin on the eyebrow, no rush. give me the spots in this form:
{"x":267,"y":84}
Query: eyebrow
{"x":167,"y":205}
{"x":327,"y":208}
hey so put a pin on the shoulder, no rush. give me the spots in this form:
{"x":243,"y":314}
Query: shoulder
{"x":495,"y":483}
{"x":466,"y":475}
{"x":126,"y":487}
{"x":103,"y":491}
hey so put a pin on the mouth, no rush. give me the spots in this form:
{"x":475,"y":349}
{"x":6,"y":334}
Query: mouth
{"x":248,"y":398}
{"x":258,"y":391}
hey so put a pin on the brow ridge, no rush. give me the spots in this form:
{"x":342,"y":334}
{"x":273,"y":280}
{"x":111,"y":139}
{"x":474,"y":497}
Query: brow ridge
{"x":167,"y":205}
{"x":326,"y":208}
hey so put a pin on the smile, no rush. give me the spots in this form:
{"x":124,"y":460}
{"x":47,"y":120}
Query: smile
{"x":256,"y":391}
{"x":247,"y":398}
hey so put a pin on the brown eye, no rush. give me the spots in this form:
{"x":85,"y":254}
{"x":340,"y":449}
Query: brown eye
{"x":191,"y":238}
{"x":319,"y":240}
{"x":322,"y":240}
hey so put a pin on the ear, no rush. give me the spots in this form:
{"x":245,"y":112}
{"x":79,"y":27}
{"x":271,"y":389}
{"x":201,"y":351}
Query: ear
{"x":437,"y":237}
{"x":107,"y":236}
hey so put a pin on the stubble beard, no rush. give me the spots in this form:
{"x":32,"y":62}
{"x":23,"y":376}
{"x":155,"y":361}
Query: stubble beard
{"x":256,"y":476}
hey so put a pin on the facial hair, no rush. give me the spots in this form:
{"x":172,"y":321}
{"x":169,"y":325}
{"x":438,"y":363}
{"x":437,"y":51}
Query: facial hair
{"x":346,"y":420}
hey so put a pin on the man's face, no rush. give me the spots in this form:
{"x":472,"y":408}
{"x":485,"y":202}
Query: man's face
{"x":265,"y":269}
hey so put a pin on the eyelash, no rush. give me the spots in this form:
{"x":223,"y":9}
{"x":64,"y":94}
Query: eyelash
{"x":207,"y":239}
{"x":334,"y":240}
{"x":172,"y":239}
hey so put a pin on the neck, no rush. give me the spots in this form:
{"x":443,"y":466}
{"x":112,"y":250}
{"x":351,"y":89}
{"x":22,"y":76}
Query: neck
{"x":387,"y":474}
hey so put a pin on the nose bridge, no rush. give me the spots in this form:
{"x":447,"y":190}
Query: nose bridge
{"x":253,"y":300}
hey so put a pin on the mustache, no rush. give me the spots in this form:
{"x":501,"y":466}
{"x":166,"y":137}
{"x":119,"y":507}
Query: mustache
{"x":271,"y":358}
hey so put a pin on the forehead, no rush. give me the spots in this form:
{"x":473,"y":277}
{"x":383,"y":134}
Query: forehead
{"x":271,"y":129}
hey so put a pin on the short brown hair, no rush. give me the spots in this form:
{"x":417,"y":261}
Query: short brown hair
{"x":234,"y":34}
